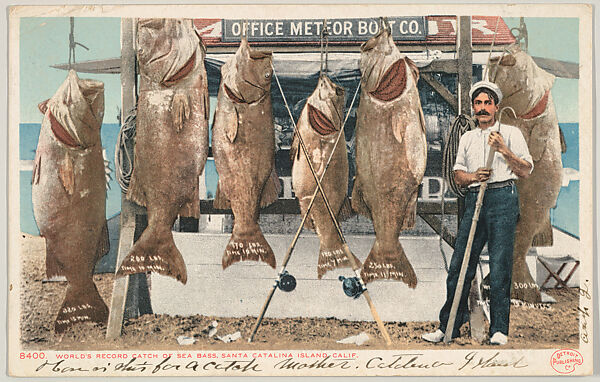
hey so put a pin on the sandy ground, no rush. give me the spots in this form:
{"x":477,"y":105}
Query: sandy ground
{"x":556,"y":327}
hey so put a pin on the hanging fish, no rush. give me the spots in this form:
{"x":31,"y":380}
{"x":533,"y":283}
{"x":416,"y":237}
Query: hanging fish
{"x":171,"y":142}
{"x":391,"y":153}
{"x":319,"y":125}
{"x":526,"y":89}
{"x":244,"y":150}
{"x":68,"y":194}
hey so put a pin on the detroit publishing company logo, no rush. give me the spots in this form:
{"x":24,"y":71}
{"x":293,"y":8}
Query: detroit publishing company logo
{"x":564,"y":361}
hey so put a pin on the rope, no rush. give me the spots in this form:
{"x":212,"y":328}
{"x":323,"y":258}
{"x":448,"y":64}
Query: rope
{"x":324,"y":37}
{"x":124,"y":151}
{"x":73,"y":43}
{"x":461,"y":125}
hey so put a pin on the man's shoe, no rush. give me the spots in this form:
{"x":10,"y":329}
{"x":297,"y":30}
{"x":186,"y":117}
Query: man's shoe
{"x":498,"y":338}
{"x":434,"y":337}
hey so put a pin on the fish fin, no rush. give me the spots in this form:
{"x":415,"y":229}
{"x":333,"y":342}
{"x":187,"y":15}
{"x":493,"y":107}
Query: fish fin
{"x":191,"y":208}
{"x":334,"y":258}
{"x":53,"y":266}
{"x":135,"y":191}
{"x":251,"y":247}
{"x":103,"y":242}
{"x":221,"y":201}
{"x":37,"y":167}
{"x":155,"y":251}
{"x":308,"y":223}
{"x":66,"y":175}
{"x":82,"y":304}
{"x":180,"y":110}
{"x":294,"y":152}
{"x":358,"y":203}
{"x":270,"y":192}
{"x":410,"y":215}
{"x":43,"y":106}
{"x":232,"y":125}
{"x":538,"y":140}
{"x":544,"y":238}
{"x":414,"y":69}
{"x":563,"y":143}
{"x":345,"y":210}
{"x":390,"y":265}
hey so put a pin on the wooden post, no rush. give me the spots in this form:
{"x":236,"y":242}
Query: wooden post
{"x":129,"y":210}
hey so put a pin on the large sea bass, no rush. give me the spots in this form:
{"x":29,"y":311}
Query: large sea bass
{"x":319,"y":125}
{"x":69,"y":195}
{"x":391,"y":152}
{"x":526,"y":89}
{"x":171,"y":143}
{"x":244,"y":149}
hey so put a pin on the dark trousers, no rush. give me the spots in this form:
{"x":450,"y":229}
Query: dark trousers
{"x":496,"y":226}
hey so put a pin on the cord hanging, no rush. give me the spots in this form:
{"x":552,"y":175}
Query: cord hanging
{"x":491,"y":47}
{"x":325,"y":42}
{"x":73,"y":43}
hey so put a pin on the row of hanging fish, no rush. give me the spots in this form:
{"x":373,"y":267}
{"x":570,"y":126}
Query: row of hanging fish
{"x":171,"y":147}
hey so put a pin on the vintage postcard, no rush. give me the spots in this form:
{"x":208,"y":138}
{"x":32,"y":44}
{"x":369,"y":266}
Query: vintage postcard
{"x":300,"y":190}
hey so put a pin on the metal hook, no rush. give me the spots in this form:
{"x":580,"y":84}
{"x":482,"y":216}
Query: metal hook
{"x":73,"y":43}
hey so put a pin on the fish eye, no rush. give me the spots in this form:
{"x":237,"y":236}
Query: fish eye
{"x":267,"y":75}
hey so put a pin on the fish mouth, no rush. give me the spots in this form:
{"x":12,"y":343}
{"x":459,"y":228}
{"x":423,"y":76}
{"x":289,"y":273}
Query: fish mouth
{"x":373,"y":41}
{"x":319,"y":121}
{"x":392,"y":83}
{"x":181,"y":73}
{"x":240,"y":99}
{"x":60,"y":133}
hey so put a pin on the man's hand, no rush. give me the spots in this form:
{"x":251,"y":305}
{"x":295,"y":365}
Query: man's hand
{"x":464,"y":178}
{"x":497,"y":142}
{"x":482,"y":174}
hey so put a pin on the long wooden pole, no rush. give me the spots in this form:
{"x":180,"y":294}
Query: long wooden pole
{"x":467,"y":255}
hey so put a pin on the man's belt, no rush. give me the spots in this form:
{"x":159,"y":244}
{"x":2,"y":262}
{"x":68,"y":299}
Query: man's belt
{"x":490,"y":186}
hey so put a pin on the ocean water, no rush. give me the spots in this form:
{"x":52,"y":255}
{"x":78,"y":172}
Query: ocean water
{"x":565,"y":216}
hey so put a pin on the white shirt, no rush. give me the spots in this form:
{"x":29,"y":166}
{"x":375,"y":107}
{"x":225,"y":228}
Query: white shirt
{"x":473,"y":149}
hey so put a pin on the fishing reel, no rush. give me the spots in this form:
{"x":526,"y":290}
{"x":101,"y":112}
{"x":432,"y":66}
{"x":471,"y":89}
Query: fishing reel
{"x":352,"y":287}
{"x":286,"y":282}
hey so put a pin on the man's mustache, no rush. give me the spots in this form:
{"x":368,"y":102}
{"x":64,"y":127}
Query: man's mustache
{"x":482,"y":112}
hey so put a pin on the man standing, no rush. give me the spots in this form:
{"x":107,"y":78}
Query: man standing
{"x":499,"y":212}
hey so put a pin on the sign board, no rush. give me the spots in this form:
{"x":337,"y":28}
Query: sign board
{"x":351,"y":29}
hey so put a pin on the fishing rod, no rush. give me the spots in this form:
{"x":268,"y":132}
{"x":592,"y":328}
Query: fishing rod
{"x":345,"y":247}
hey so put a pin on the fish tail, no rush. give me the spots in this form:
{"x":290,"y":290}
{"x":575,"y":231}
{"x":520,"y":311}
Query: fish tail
{"x":270,"y":192}
{"x":82,"y":304}
{"x":388,"y":265}
{"x":53,"y":266}
{"x":248,"y":247}
{"x":544,"y":237}
{"x":333,"y":258}
{"x":155,"y":251}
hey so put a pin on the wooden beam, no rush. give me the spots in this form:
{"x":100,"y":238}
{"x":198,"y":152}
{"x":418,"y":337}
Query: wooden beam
{"x":441,"y":90}
{"x":465,"y":63}
{"x":443,"y":65}
{"x":436,"y":224}
{"x":291,"y":206}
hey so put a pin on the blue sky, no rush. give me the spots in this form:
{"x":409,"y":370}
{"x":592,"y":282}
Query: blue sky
{"x":45,"y":41}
